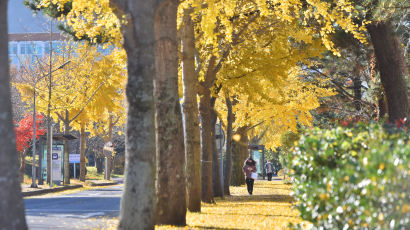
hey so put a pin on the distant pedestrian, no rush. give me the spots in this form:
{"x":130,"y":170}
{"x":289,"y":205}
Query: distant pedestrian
{"x":269,"y":170}
{"x":249,"y":167}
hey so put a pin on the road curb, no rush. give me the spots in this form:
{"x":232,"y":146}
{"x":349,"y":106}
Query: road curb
{"x":51,"y":190}
{"x":103,"y":184}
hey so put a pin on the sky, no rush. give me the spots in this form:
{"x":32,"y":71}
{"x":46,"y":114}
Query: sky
{"x":21,"y":19}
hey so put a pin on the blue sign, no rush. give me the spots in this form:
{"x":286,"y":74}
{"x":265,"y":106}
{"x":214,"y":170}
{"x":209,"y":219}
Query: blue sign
{"x":54,"y":156}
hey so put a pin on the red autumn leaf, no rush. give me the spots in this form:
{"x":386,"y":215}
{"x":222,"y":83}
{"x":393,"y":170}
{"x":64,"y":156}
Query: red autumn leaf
{"x":24,"y":130}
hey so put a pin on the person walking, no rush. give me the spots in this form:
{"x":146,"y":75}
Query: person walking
{"x":269,"y":169}
{"x":249,"y":167}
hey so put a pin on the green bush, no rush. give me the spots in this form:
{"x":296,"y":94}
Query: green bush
{"x":353,"y":177}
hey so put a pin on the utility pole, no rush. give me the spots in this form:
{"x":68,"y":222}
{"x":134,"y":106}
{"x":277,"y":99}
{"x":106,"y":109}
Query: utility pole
{"x":33,"y":166}
{"x":49,"y":137}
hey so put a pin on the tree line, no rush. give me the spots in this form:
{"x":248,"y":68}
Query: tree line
{"x":240,"y":61}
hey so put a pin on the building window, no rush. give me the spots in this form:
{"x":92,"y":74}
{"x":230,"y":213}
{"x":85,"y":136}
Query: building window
{"x":47,"y":48}
{"x":23,"y":48}
{"x":26,"y":48}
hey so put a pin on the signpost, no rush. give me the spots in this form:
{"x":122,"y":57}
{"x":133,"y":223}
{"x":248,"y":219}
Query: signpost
{"x":108,"y":150}
{"x":74,"y":158}
{"x":56,"y":157}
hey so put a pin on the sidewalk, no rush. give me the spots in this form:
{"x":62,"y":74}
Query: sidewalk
{"x":43,"y":189}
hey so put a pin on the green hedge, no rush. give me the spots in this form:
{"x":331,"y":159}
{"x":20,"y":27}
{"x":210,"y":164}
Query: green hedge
{"x":353,"y":177}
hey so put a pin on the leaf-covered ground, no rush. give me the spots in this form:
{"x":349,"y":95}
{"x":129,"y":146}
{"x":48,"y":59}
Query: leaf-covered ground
{"x":269,"y":208}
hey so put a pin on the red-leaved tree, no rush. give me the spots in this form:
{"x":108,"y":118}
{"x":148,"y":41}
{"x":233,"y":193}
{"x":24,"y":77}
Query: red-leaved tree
{"x":24,"y":136}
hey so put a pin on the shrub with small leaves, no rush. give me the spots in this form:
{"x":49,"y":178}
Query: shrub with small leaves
{"x":353,"y":177}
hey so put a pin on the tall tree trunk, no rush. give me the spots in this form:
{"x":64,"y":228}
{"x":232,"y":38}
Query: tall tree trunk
{"x":392,"y":67}
{"x":137,"y":203}
{"x":171,"y":190}
{"x":206,"y":145}
{"x":238,"y":154}
{"x":12,"y":206}
{"x":82,"y":154}
{"x":228,"y":155}
{"x":205,"y":107}
{"x":216,"y":174}
{"x":66,"y":151}
{"x":190,"y":110}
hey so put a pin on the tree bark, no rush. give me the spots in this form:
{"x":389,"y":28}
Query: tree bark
{"x":392,"y":67}
{"x":82,"y":154}
{"x":228,"y":155}
{"x":66,"y":151}
{"x":22,"y":164}
{"x":12,"y":206}
{"x":190,"y":110}
{"x":216,"y":175}
{"x":99,"y":163}
{"x":206,"y":131}
{"x":238,"y":143}
{"x":357,"y":88}
{"x":206,"y":145}
{"x":137,"y":203}
{"x":171,"y":190}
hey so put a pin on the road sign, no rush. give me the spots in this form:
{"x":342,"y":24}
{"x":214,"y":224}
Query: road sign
{"x":108,"y":149}
{"x":74,"y":158}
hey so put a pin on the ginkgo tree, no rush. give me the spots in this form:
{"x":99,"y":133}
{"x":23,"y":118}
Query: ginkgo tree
{"x":87,"y":85}
{"x":104,"y":127}
{"x":222,"y":26}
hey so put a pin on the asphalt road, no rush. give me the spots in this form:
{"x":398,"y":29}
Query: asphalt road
{"x":89,"y":209}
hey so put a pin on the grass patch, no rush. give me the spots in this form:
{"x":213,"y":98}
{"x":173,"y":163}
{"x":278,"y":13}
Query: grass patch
{"x":93,"y":175}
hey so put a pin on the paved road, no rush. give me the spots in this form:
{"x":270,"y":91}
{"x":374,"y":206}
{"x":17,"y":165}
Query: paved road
{"x":90,"y":209}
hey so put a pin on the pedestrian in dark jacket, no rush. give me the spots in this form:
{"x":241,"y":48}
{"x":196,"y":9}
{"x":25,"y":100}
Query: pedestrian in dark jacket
{"x":269,"y":170}
{"x":249,"y":167}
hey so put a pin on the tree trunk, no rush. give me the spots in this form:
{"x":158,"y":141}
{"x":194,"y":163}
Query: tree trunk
{"x":244,"y":145}
{"x":238,"y":155}
{"x":206,"y":145}
{"x":99,"y":163}
{"x":12,"y":206}
{"x":381,"y":103}
{"x":392,"y":67}
{"x":190,"y":110}
{"x":108,"y":168}
{"x":206,"y":131}
{"x":66,"y":151}
{"x":357,"y":89}
{"x":171,"y":190}
{"x":22,"y":163}
{"x":82,"y":154}
{"x":228,"y":156}
{"x":216,"y":174}
{"x":137,"y":203}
